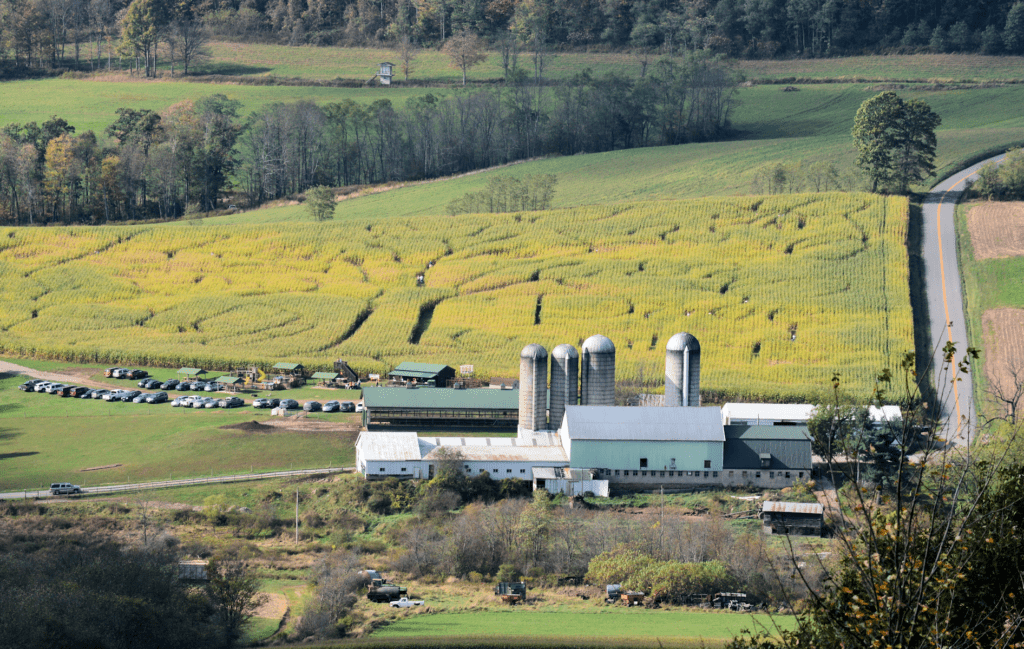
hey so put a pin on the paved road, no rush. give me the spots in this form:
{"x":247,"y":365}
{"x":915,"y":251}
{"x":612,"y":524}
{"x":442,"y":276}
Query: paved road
{"x":163,"y":484}
{"x":945,"y":300}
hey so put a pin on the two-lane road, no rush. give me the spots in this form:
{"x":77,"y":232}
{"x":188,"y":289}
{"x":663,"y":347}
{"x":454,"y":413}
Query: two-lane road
{"x":946,"y":303}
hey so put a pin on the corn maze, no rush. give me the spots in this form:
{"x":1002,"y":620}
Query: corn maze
{"x":781,"y":291}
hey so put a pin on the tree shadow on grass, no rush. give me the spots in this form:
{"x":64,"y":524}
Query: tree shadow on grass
{"x":228,"y":69}
{"x":6,"y":408}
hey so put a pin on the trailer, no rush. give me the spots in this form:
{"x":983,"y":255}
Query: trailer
{"x":628,"y":597}
{"x":511,"y":592}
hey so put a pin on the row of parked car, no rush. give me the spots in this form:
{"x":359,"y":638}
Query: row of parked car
{"x":181,"y":386}
{"x":309,"y":406}
{"x":124,"y":373}
{"x":196,"y":401}
{"x":80,"y":392}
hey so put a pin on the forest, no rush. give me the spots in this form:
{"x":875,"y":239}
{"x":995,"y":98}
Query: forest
{"x":83,"y":34}
{"x":183,"y":159}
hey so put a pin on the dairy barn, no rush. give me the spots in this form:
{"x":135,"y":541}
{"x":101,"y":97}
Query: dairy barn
{"x":571,"y":436}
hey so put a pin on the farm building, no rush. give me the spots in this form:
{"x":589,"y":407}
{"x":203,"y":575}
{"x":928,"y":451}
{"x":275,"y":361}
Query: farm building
{"x":419,"y":408}
{"x":191,"y":372}
{"x":232,"y":383}
{"x":423,"y":373}
{"x":791,"y":414}
{"x":564,"y":445}
{"x":645,"y":446}
{"x":792,"y":518}
{"x":346,"y":372}
{"x":766,"y":456}
{"x":326,"y":378}
{"x":405,"y":455}
{"x":289,"y":369}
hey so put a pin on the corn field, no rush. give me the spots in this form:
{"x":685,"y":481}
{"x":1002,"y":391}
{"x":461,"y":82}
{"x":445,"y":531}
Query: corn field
{"x":780,"y":290}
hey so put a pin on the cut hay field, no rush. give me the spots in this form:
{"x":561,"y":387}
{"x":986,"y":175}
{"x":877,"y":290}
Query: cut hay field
{"x":430,"y":64}
{"x":617,"y":622}
{"x":780,"y":290}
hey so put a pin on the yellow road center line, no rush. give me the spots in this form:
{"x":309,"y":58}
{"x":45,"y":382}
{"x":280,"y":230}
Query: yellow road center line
{"x":942,"y":271}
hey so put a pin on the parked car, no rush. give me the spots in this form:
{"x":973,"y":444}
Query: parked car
{"x":231,"y":402}
{"x":332,"y":406}
{"x":289,"y":404}
{"x":78,"y":391}
{"x":141,"y":397}
{"x":169,"y":385}
{"x":266,"y":403}
{"x":312,"y":406}
{"x":148,"y":384}
{"x":66,"y":391}
{"x":100,"y":394}
{"x":118,"y":372}
{"x":198,"y":402}
{"x":184,"y":402}
{"x":210,"y":402}
{"x":87,"y":394}
{"x":63,"y":488}
{"x":405,"y":602}
{"x":55,"y":388}
{"x":109,"y":372}
{"x":42,"y":387}
{"x":113,"y":396}
{"x":156,"y":397}
{"x":198,"y":386}
{"x":129,"y":395}
{"x":348,"y":406}
{"x":360,"y":407}
{"x":137,"y":374}
{"x":30,"y":385}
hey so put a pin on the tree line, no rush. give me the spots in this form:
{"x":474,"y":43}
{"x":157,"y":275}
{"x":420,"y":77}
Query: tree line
{"x":184,"y":159}
{"x":89,"y":33}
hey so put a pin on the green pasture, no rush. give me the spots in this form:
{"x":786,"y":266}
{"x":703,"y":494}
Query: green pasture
{"x":811,"y":126}
{"x":91,"y":104}
{"x":604,"y":622}
{"x":910,"y":67}
{"x":44,"y":438}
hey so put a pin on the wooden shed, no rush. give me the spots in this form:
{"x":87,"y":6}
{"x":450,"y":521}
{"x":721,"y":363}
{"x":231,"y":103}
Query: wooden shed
{"x":806,"y":519}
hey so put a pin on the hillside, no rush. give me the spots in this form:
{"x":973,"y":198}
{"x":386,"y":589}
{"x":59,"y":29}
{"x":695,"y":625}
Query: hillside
{"x":219,"y":296}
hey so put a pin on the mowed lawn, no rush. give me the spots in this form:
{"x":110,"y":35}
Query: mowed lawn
{"x":44,"y":438}
{"x":608,"y":622}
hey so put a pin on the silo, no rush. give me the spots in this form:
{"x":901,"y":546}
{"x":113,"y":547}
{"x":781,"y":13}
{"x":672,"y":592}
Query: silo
{"x":565,"y":377}
{"x":682,"y":371}
{"x":597,"y":372}
{"x":533,"y":388}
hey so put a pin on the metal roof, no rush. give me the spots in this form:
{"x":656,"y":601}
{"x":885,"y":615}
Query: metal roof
{"x":229,"y":380}
{"x":565,"y":350}
{"x":389,"y":447}
{"x":769,"y":411}
{"x":287,"y":366}
{"x":419,"y":370}
{"x":765,"y":432}
{"x":493,"y":453}
{"x":191,"y":370}
{"x":885,"y":413}
{"x":645,"y":423}
{"x":325,"y":375}
{"x":476,"y":399}
{"x":792,"y":508}
{"x":598,"y":344}
{"x":682,"y":342}
{"x":533,"y":350}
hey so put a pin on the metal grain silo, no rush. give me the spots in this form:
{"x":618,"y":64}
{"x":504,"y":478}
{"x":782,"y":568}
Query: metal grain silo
{"x":565,"y":382}
{"x":682,"y":371}
{"x":533,"y":388}
{"x":597,"y":372}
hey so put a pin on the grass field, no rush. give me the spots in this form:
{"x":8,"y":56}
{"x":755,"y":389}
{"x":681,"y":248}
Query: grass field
{"x":221,"y":296}
{"x":605,"y":622}
{"x":44,"y":438}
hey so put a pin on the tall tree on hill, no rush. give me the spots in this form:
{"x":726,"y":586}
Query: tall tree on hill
{"x":895,"y":141}
{"x":465,"y":50}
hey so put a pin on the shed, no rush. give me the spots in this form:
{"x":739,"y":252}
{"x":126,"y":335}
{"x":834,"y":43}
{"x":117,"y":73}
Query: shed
{"x":420,"y":408}
{"x":420,"y":373}
{"x":191,"y":371}
{"x":193,"y":570}
{"x":571,"y":482}
{"x":385,"y":72}
{"x":792,"y":518}
{"x":767,"y":414}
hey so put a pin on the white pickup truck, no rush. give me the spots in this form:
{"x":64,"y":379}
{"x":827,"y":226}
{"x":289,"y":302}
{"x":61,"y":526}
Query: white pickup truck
{"x":405,"y":602}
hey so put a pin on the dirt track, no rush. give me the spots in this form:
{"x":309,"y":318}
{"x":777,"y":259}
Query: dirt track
{"x":70,"y":375}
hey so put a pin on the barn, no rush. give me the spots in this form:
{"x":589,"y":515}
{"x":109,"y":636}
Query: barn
{"x":415,"y":408}
{"x":423,"y":374}
{"x":766,"y":456}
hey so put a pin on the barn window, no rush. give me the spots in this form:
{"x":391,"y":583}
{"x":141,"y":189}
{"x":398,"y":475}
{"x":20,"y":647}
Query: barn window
{"x":714,"y":474}
{"x":634,"y":473}
{"x":757,"y":475}
{"x":744,"y":474}
{"x":662,"y":474}
{"x":643,"y":463}
{"x":522,"y":470}
{"x":730,"y":474}
{"x":707,"y":464}
{"x":616,"y":472}
{"x":787,"y":475}
{"x":508,"y":470}
{"x":643,"y":473}
{"x":771,"y":474}
{"x":402,"y":469}
{"x":705,"y":474}
{"x":382,"y":469}
{"x":800,"y":475}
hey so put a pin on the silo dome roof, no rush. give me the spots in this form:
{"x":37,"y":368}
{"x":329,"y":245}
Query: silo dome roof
{"x":682,"y":342}
{"x":565,"y":350}
{"x":598,"y":344}
{"x":533,"y":350}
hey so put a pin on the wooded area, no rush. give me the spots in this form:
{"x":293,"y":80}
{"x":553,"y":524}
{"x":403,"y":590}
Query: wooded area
{"x":88,"y":33}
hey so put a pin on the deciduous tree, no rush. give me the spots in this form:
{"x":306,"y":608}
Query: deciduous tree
{"x":320,"y":203}
{"x":895,"y":141}
{"x":465,"y":51}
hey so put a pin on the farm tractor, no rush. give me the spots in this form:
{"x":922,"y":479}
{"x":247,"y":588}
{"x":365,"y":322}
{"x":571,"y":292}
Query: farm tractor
{"x":511,"y":592}
{"x":628,"y":597}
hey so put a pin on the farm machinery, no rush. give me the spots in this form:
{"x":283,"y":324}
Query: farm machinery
{"x":628,"y":597}
{"x":511,"y":592}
